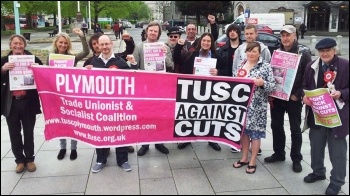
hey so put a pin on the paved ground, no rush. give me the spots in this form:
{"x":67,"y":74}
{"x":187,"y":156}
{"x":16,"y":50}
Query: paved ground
{"x":195,"y":170}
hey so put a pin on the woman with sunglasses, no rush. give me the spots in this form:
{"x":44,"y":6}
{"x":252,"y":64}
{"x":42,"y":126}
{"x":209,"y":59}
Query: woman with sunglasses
{"x":62,"y":45}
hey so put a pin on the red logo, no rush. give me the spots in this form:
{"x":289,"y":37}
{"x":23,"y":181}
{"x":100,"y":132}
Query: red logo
{"x":242,"y":73}
{"x":252,"y":20}
{"x":328,"y":76}
{"x":113,"y":67}
{"x":198,"y":60}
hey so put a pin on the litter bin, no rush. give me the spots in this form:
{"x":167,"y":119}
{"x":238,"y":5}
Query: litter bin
{"x":27,"y":36}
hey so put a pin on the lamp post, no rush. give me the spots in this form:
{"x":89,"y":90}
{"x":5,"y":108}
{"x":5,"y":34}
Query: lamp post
{"x":172,"y":12}
{"x":16,"y":5}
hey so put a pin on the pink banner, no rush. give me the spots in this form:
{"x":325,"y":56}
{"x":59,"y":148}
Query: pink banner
{"x":107,"y":107}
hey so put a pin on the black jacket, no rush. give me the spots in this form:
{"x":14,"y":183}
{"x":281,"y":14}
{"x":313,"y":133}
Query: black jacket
{"x":115,"y":61}
{"x":32,"y":97}
{"x":223,"y":52}
{"x":188,"y":63}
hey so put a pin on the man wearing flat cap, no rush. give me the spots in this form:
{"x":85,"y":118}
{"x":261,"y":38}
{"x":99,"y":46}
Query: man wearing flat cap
{"x":174,"y":34}
{"x":293,"y":107}
{"x":320,"y":136}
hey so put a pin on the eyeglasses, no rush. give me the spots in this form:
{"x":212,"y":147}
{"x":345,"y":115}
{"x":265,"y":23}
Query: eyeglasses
{"x":104,"y":44}
{"x":173,"y":36}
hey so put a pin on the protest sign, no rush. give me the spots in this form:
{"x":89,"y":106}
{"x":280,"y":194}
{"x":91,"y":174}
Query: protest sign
{"x":154,"y":57}
{"x":285,"y":67}
{"x":114,"y":107}
{"x":21,"y":76}
{"x":324,"y":109}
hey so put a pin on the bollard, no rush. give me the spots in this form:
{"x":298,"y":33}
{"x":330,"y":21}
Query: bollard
{"x":199,"y":30}
{"x":313,"y":41}
{"x":206,"y":29}
{"x":220,"y":31}
{"x":202,"y":30}
{"x":339,"y":44}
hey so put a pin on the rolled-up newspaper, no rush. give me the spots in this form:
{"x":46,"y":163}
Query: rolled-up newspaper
{"x":340,"y":103}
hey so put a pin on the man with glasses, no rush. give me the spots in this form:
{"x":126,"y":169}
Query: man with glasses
{"x":107,"y":59}
{"x":174,"y":34}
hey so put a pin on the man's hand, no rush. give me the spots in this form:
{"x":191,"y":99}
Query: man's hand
{"x":306,"y":101}
{"x":294,"y":98}
{"x":126,"y":36}
{"x":181,"y":42}
{"x":131,"y":58}
{"x":78,"y":32}
{"x":89,"y":67}
{"x":335,"y":94}
{"x":211,"y":19}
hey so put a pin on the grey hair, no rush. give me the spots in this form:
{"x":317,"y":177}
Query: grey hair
{"x":19,"y":37}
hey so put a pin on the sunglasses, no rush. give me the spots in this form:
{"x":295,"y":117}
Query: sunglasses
{"x":173,"y":36}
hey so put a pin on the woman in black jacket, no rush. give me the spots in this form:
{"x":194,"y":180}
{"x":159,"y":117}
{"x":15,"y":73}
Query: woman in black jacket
{"x":205,"y":49}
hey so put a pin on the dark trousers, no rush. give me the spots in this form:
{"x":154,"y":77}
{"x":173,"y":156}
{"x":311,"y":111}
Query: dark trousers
{"x":21,"y":116}
{"x":121,"y":153}
{"x":293,"y":108}
{"x":117,"y":35}
{"x":85,"y":30}
{"x":337,"y":150}
{"x":302,"y":34}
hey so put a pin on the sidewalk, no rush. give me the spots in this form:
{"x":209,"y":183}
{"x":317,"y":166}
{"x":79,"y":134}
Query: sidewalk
{"x":195,"y":170}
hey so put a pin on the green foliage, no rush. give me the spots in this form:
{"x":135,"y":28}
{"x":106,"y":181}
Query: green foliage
{"x":202,"y":8}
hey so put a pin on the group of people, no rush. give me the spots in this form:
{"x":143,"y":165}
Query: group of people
{"x":250,"y":59}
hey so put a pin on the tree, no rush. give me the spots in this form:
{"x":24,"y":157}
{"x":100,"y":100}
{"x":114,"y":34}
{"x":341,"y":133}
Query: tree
{"x":202,"y":8}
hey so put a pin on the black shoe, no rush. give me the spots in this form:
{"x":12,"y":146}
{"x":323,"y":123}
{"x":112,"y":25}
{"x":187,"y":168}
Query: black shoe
{"x":162,"y":148}
{"x":332,"y":189}
{"x":73,"y":155}
{"x":234,"y":150}
{"x":142,"y":150}
{"x":273,"y":158}
{"x":183,"y":145}
{"x":131,"y":149}
{"x":215,"y":146}
{"x":297,"y":166}
{"x":61,"y":154}
{"x":311,"y":178}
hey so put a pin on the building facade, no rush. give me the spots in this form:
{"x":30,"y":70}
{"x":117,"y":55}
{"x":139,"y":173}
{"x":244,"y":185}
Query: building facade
{"x":332,"y":16}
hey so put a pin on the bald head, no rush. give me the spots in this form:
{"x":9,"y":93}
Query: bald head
{"x":105,"y":45}
{"x":104,"y":38}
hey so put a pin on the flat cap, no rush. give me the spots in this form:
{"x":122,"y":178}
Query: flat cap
{"x":288,"y":29}
{"x":326,"y":43}
{"x":174,"y":30}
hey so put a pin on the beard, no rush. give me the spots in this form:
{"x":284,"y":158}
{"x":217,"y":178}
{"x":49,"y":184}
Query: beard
{"x":234,"y":39}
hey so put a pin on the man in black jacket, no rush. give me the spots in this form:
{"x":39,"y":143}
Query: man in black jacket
{"x":20,"y":108}
{"x":293,"y":107}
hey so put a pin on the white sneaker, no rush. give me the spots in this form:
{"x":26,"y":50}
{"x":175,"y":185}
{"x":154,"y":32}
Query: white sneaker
{"x":97,"y":167}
